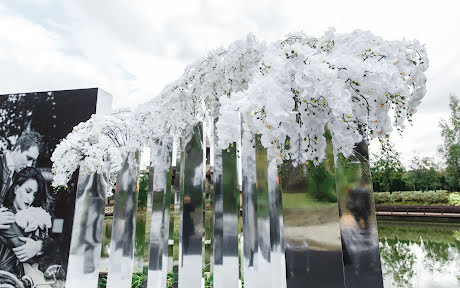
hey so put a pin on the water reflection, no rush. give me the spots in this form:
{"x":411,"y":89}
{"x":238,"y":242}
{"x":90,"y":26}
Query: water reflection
{"x":420,"y":255}
{"x":413,"y":254}
{"x":139,"y":249}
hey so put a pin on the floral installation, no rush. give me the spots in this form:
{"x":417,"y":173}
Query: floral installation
{"x":347,"y":82}
{"x":357,"y":85}
{"x":98,"y":145}
{"x":34,"y":220}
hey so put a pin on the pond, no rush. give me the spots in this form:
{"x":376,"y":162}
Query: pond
{"x":420,"y":254}
{"x":414,"y":254}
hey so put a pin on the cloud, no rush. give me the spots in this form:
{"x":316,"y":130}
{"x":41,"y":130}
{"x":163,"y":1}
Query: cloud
{"x":133,"y":49}
{"x":421,"y":139}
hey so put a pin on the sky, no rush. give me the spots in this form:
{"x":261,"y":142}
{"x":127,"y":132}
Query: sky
{"x":132,"y":49}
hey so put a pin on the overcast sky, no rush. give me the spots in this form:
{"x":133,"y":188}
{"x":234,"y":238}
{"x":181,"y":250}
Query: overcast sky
{"x":132,"y":49}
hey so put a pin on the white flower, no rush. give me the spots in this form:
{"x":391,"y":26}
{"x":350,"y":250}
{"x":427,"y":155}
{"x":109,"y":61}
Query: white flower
{"x":32,"y":218}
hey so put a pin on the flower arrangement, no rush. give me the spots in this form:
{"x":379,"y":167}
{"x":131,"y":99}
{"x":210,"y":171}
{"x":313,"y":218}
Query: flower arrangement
{"x":34,"y":220}
{"x":356,"y":84}
{"x":347,"y":82}
{"x":95,"y":146}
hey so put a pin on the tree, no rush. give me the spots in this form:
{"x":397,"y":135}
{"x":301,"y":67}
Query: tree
{"x":450,"y":149}
{"x":387,"y":170}
{"x":423,"y":174}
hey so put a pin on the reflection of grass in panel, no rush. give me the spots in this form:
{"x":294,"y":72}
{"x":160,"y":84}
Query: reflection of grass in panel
{"x":307,"y":185}
{"x":208,"y":245}
{"x":230,"y":181}
{"x":262,"y":181}
{"x":139,"y":240}
{"x":148,"y":221}
{"x":298,"y":200}
{"x":176,"y":234}
{"x":106,"y":236}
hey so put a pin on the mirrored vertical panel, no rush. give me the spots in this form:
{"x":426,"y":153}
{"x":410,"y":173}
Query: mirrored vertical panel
{"x":358,"y":224}
{"x":311,"y":223}
{"x":263,"y":216}
{"x":256,"y":213}
{"x":250,"y":238}
{"x":174,"y":226}
{"x":166,"y":225}
{"x":85,"y":246}
{"x":141,"y":246}
{"x":226,"y":215}
{"x":278,"y":268}
{"x":124,"y":224}
{"x":159,"y":228}
{"x":218,"y":251}
{"x":208,"y":207}
{"x":191,"y":227}
{"x":148,"y":214}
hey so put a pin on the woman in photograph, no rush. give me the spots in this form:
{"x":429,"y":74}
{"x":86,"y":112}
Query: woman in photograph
{"x":28,"y":190}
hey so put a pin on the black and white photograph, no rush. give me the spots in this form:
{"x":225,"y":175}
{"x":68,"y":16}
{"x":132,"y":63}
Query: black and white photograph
{"x":35,"y":218}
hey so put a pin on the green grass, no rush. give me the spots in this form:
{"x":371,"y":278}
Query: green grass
{"x":138,"y":280}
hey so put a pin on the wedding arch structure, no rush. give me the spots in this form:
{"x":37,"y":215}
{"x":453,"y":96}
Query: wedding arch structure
{"x":287,"y":125}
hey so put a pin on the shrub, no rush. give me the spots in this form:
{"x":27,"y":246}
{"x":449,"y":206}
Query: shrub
{"x":382,"y":197}
{"x":439,"y":197}
{"x":454,"y":199}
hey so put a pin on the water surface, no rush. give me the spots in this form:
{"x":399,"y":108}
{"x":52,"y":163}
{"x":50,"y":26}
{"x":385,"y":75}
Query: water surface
{"x":420,"y":254}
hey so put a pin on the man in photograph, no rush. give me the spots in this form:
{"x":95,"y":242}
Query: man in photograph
{"x":24,"y":154}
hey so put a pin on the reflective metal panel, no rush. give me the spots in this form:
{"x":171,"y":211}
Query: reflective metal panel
{"x":358,"y":223}
{"x":148,"y":216}
{"x":85,"y":247}
{"x":278,"y":268}
{"x":175,"y":213}
{"x":124,"y":224}
{"x":218,"y":251}
{"x":263,"y":216}
{"x":311,"y":224}
{"x":191,"y":227}
{"x":159,"y":228}
{"x":142,"y":227}
{"x":250,"y":239}
{"x":226,"y":266}
{"x":256,"y":214}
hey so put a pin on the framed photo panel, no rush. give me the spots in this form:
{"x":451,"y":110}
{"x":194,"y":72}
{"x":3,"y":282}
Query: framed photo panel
{"x":35,"y":220}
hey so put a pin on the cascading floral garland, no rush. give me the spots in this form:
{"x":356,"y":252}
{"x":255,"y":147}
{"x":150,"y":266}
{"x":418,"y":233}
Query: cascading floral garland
{"x":287,"y":91}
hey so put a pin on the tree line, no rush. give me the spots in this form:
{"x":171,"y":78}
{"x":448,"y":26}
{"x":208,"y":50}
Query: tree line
{"x":423,"y":173}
